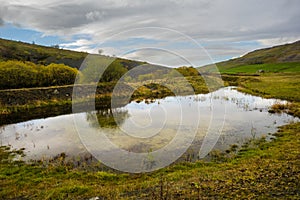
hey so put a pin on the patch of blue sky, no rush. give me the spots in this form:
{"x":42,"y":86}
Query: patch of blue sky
{"x":11,"y":32}
{"x":82,"y":36}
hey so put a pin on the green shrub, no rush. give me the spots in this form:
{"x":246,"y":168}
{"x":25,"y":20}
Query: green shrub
{"x":17,"y":74}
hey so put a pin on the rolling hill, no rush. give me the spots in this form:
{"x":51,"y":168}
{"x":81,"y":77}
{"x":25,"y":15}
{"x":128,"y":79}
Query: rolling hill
{"x":13,"y":50}
{"x":283,"y":58}
{"x":30,"y":63}
{"x":37,"y":54}
{"x":24,"y":65}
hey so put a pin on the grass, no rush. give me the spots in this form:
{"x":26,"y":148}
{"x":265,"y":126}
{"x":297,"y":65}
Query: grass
{"x":281,"y":86}
{"x":282,"y":55}
{"x":266,"y":68}
{"x":259,"y":170}
{"x":287,"y":53}
{"x":12,"y":50}
{"x":176,"y":86}
{"x":290,"y":108}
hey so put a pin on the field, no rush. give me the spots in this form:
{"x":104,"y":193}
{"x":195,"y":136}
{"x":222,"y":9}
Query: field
{"x":264,"y":68}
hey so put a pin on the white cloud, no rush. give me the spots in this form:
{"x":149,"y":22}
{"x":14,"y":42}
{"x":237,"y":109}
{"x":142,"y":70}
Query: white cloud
{"x":95,"y":15}
{"x":80,"y":42}
{"x":219,"y":22}
{"x":278,"y":41}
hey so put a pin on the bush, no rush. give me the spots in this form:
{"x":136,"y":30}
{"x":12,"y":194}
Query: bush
{"x":17,"y":74}
{"x":188,"y":71}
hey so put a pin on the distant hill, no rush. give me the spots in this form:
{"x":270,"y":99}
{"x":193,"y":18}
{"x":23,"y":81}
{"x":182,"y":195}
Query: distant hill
{"x":281,"y":55}
{"x":20,"y":51}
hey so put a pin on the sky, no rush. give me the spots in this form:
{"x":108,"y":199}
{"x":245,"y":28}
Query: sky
{"x":168,"y":32}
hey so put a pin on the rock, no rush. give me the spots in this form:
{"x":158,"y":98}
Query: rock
{"x":260,"y":71}
{"x":55,"y":91}
{"x":94,"y":198}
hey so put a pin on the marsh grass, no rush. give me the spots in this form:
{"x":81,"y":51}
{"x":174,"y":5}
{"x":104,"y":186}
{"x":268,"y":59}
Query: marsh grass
{"x":289,"y":108}
{"x":281,"y":86}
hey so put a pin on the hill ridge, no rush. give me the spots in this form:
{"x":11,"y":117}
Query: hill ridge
{"x":286,"y":53}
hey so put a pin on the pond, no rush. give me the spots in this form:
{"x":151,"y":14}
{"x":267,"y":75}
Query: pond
{"x":173,"y":124}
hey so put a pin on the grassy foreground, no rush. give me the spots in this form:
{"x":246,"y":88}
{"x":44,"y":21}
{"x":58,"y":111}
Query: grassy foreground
{"x":258,"y":170}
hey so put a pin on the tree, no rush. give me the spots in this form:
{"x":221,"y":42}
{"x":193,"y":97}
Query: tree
{"x":100,"y":51}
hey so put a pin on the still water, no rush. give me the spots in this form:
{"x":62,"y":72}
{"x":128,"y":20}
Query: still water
{"x":224,"y":117}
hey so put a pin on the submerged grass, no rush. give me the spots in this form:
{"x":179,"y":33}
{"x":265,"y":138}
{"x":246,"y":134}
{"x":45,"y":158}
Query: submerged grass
{"x":289,"y":108}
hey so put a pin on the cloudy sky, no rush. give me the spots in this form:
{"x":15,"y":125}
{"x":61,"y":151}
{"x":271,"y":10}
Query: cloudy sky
{"x":169,"y":32}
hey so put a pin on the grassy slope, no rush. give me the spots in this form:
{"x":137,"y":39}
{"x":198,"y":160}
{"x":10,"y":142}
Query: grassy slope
{"x":281,"y":58}
{"x":278,"y":54}
{"x":270,"y":67}
{"x":13,"y":50}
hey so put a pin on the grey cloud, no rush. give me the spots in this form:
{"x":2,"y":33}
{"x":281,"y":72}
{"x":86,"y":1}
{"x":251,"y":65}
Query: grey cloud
{"x":200,"y":19}
{"x":47,"y":19}
{"x":206,"y":21}
{"x":113,"y":14}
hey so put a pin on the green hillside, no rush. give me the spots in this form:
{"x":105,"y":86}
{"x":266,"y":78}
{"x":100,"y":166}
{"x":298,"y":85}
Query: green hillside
{"x":24,"y":65}
{"x":13,"y":50}
{"x":283,"y":58}
{"x":269,"y":67}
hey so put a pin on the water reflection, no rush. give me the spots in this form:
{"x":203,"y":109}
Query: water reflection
{"x":107,"y":118}
{"x":146,"y":127}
